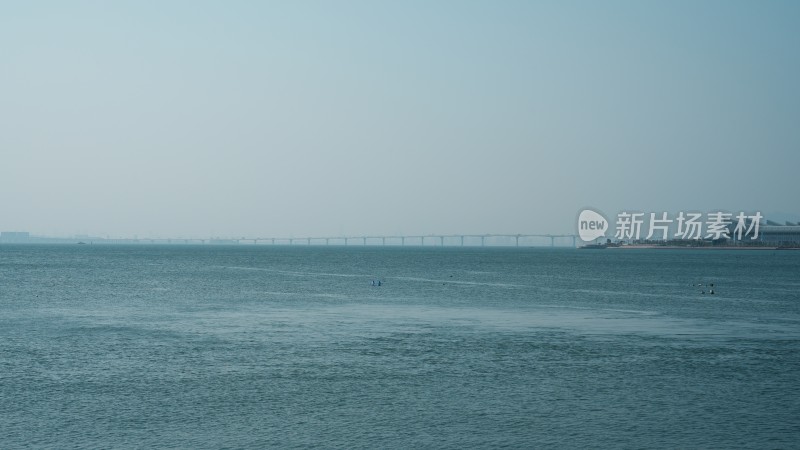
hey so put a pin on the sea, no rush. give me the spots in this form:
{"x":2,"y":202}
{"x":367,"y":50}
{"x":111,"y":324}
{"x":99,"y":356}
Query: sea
{"x":259,"y":346}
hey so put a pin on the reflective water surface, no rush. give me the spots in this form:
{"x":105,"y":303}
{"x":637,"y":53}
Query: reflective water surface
{"x":247,"y":347}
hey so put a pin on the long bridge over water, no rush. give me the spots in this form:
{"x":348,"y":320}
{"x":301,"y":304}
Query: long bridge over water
{"x":461,"y":240}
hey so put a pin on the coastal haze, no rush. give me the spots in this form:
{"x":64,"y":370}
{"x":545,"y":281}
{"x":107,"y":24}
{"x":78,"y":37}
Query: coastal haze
{"x":200,"y":119}
{"x":446,"y":158}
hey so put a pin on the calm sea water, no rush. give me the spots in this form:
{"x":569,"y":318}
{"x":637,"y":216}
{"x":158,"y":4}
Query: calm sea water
{"x":251,"y":347}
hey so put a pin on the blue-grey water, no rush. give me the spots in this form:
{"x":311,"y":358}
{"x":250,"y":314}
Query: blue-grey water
{"x":254,"y":347}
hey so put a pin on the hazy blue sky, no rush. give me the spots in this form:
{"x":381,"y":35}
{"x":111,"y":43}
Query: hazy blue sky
{"x":192,"y":118}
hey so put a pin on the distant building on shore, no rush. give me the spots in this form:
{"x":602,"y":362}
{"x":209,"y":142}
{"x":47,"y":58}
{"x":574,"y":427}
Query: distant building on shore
{"x":777,"y":234}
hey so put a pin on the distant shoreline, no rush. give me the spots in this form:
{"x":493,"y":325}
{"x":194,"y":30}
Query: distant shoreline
{"x":716,"y":247}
